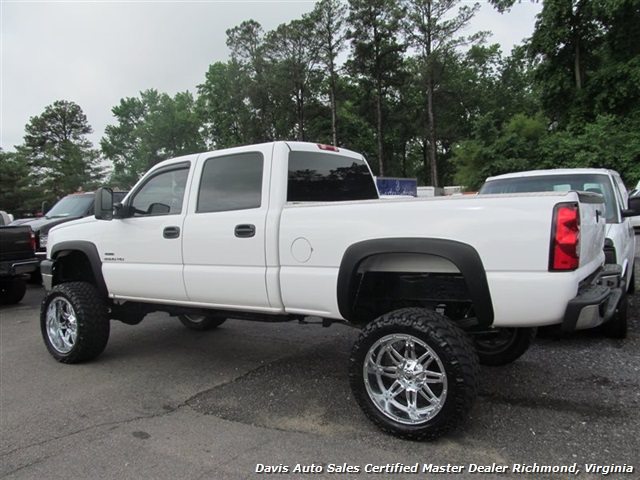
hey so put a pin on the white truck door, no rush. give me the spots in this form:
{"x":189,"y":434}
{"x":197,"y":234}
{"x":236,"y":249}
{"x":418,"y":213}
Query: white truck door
{"x":224,"y":232}
{"x":142,"y":254}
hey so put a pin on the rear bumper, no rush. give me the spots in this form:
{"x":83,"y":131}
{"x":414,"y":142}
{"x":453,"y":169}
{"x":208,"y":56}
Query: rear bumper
{"x":597,"y":301}
{"x":14,"y":268}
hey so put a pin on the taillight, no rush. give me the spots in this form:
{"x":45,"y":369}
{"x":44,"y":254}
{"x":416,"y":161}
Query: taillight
{"x":565,"y":239}
{"x":32,"y":241}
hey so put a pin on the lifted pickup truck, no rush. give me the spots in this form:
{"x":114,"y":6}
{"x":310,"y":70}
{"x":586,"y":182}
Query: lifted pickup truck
{"x":287,"y":230}
{"x":620,"y":241}
{"x":17,"y":258}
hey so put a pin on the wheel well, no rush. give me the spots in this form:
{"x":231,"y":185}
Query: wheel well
{"x":73,"y":266}
{"x":390,"y":281}
{"x":376,"y":275}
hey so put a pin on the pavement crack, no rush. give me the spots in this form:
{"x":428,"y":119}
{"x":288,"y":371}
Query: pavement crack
{"x":167,"y":410}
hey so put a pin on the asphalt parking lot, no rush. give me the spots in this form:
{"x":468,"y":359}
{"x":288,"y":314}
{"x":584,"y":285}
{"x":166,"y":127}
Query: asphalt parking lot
{"x":164,"y":402}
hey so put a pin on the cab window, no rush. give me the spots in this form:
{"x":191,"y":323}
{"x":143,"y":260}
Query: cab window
{"x":325,"y":177}
{"x":231,"y":182}
{"x":162,"y":194}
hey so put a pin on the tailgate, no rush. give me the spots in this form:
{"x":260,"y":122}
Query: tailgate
{"x":15,"y":243}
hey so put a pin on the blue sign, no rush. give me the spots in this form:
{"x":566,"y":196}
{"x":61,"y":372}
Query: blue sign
{"x":397,"y":186}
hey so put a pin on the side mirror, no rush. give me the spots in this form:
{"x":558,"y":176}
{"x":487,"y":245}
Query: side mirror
{"x":633,"y":207}
{"x":158,"y":209}
{"x":103,"y":208}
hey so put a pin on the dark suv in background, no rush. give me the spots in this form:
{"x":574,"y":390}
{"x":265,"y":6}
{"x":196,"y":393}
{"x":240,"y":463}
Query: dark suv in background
{"x":71,"y":207}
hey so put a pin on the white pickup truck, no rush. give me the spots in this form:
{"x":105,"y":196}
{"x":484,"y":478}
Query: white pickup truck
{"x":619,"y":244}
{"x":287,"y":230}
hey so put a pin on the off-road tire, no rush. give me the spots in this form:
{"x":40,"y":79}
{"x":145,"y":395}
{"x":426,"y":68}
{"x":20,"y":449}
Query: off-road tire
{"x":450,"y":350}
{"x":617,"y":326}
{"x":86,"y":331}
{"x":12,"y":291}
{"x":503,"y":346}
{"x":201,"y":322}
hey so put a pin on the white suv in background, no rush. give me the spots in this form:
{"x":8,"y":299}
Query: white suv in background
{"x":620,"y":242}
{"x":635,"y":221}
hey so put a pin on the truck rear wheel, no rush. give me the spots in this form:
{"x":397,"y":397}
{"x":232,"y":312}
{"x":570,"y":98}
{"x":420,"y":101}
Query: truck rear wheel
{"x":414,"y":373}
{"x":12,"y":291}
{"x":201,"y":322}
{"x":617,"y":326}
{"x":501,"y":346}
{"x":74,"y":322}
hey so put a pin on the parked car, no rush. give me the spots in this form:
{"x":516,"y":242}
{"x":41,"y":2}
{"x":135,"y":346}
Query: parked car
{"x":635,"y":221}
{"x":5,"y":218}
{"x":620,"y":241}
{"x":68,"y":208}
{"x":17,"y":258}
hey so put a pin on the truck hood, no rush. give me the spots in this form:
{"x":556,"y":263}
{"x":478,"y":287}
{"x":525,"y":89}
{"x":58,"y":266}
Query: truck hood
{"x":71,"y":221}
{"x":42,"y":225}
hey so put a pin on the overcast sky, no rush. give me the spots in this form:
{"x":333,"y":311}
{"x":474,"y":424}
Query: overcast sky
{"x":95,"y":53}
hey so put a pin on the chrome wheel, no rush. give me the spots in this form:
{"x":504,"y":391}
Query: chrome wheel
{"x":62,"y":325}
{"x":405,"y":379}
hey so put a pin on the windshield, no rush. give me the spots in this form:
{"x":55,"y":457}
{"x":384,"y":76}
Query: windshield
{"x":558,"y":183}
{"x":71,"y":206}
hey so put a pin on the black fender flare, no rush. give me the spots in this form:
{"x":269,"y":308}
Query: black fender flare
{"x":462,"y":255}
{"x":91,"y":251}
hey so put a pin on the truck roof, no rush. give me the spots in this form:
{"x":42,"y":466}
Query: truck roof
{"x":292,"y":145}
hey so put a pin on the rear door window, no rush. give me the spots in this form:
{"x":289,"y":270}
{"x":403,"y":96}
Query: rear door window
{"x":231,"y":182}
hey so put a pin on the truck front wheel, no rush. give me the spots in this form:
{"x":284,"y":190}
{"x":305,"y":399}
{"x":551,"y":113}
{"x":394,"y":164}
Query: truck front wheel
{"x":413,"y":373}
{"x":74,"y":322}
{"x":12,"y":291}
{"x":500,"y":346}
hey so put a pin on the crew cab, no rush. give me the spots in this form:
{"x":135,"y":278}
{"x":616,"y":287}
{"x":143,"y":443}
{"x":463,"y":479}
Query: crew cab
{"x":288,"y":230}
{"x":620,"y":239}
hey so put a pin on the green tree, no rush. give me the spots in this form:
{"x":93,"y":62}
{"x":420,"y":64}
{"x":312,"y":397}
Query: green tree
{"x":222,"y":108}
{"x":17,"y":196}
{"x":588,"y":72}
{"x":328,"y":17}
{"x":515,"y":147}
{"x":566,"y":42}
{"x":506,"y":126}
{"x":293,"y":54}
{"x":246,"y":43}
{"x":150,"y":128}
{"x":608,"y":142}
{"x":376,"y":57}
{"x":433,"y":31}
{"x":60,"y":157}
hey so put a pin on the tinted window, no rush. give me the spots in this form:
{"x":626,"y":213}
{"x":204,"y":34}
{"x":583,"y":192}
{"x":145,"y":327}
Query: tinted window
{"x":71,"y":206}
{"x":557,"y":183}
{"x":232,"y":182}
{"x":162,"y":194}
{"x":325,"y":177}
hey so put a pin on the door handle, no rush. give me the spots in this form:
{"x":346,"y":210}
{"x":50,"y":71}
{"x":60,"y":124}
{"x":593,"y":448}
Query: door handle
{"x":171,"y":232}
{"x":245,"y":231}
